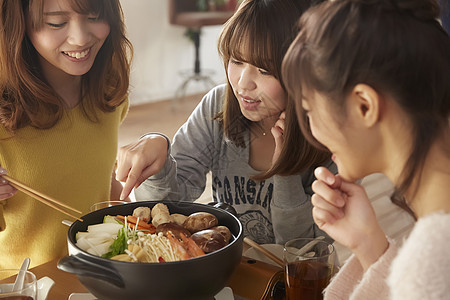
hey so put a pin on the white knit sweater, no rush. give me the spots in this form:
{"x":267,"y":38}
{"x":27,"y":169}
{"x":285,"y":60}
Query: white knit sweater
{"x":419,"y":270}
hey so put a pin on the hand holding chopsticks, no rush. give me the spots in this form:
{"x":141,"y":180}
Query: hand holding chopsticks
{"x":47,"y":200}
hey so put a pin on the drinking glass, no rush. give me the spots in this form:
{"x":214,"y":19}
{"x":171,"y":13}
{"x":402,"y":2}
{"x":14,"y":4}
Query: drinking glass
{"x":309,"y":265}
{"x":103,"y":204}
{"x":27,"y":292}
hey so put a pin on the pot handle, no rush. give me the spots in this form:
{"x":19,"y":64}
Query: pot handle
{"x":78,"y":266}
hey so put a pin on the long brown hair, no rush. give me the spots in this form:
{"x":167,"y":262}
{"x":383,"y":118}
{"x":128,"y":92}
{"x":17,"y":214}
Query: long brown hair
{"x":398,"y":47}
{"x":265,"y":29}
{"x":25,"y":96}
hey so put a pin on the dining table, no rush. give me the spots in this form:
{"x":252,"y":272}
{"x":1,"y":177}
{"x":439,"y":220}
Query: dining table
{"x":67,"y":284}
{"x":254,"y":278}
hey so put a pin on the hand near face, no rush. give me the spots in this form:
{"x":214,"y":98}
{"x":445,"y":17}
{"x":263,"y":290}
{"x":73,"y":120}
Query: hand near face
{"x":277,"y":132}
{"x":140,"y":160}
{"x":343,"y":210}
{"x":6,"y":190}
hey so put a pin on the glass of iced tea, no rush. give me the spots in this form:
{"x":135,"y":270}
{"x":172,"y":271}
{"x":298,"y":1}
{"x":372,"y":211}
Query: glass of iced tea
{"x":309,"y":265}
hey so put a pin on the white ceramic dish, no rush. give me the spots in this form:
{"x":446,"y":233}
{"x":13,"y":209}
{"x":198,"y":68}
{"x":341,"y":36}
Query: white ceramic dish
{"x":276,"y":249}
{"x":43,"y":286}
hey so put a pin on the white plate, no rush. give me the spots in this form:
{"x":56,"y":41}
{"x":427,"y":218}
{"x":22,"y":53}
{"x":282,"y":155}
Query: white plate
{"x":82,"y":296}
{"x":276,"y":249}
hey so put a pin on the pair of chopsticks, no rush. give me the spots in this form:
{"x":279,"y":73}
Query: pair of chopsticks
{"x":47,"y":200}
{"x":264,"y":251}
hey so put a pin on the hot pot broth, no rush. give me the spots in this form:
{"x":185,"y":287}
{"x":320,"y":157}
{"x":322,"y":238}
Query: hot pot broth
{"x":197,"y":278}
{"x":154,"y":235}
{"x":127,"y":209}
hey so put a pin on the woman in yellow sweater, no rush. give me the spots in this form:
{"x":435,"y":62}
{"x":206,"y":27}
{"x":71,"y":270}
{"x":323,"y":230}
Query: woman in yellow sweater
{"x":64,"y":75}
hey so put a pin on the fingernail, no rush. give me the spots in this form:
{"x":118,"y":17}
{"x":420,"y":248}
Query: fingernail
{"x":330,"y":180}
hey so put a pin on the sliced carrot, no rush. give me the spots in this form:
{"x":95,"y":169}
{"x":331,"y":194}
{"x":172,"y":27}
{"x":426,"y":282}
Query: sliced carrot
{"x":133,"y":219}
{"x":145,"y":227}
{"x":144,"y":230}
{"x":120,"y":218}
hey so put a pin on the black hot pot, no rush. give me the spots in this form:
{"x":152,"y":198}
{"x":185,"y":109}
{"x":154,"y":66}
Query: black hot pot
{"x":196,"y":278}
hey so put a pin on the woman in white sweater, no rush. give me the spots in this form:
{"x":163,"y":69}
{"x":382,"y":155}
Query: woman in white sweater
{"x":371,"y":84}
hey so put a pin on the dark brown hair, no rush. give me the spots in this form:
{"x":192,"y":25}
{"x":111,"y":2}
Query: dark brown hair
{"x":265,"y":28}
{"x":396,"y":46}
{"x":25,"y":96}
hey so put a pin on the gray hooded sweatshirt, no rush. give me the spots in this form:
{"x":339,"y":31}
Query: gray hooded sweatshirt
{"x":271,"y":211}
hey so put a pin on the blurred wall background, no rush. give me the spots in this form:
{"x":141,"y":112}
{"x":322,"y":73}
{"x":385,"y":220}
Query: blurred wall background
{"x":162,"y":51}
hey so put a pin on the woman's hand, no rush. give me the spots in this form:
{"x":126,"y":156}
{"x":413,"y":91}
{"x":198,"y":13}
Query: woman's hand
{"x":6,"y":190}
{"x":116,"y":189}
{"x":140,"y":160}
{"x":277,"y":132}
{"x":343,"y":210}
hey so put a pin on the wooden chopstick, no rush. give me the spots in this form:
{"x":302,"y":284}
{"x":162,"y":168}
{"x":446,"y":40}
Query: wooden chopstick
{"x":43,"y":200}
{"x":264,"y":251}
{"x":41,"y":197}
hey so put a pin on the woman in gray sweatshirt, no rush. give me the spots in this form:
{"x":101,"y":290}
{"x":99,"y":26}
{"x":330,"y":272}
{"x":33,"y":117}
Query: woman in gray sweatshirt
{"x":237,"y":133}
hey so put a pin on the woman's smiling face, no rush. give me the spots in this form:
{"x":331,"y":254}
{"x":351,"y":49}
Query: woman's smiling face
{"x":67,"y":41}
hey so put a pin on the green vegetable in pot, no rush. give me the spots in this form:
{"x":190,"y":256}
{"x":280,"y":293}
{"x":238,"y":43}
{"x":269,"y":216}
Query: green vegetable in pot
{"x":119,"y":245}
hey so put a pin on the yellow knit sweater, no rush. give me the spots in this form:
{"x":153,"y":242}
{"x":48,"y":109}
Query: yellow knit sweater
{"x":72,"y":162}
